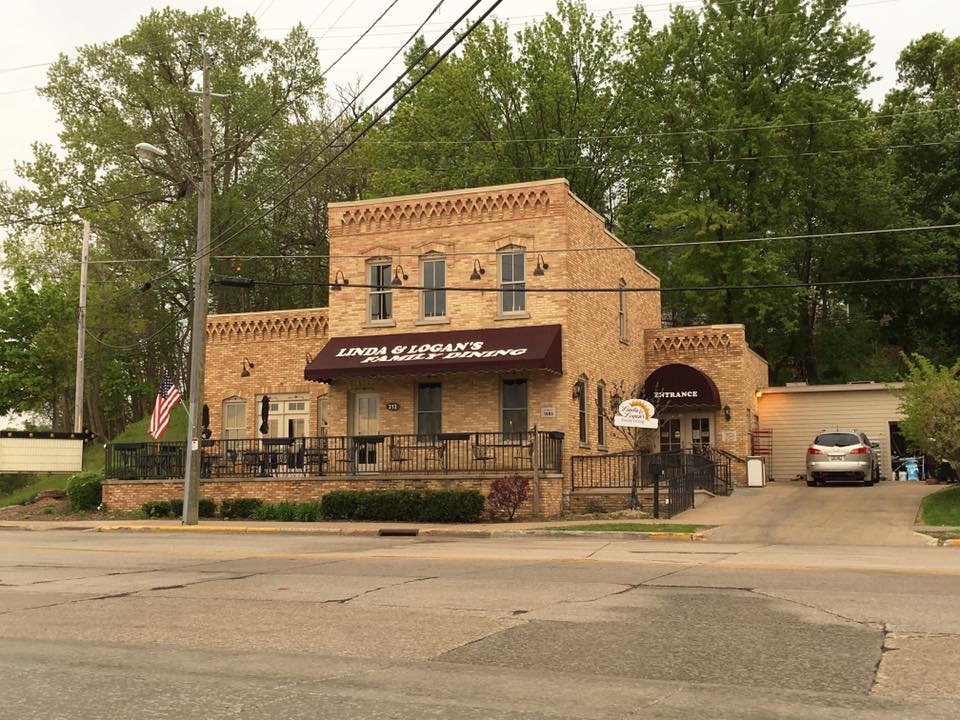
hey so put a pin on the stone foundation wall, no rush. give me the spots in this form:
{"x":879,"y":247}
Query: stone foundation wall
{"x":129,"y":495}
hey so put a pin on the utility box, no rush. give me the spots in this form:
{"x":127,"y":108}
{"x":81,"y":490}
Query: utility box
{"x":756,"y":471}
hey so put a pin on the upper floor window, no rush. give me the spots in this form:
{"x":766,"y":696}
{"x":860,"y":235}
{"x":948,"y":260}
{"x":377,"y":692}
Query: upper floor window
{"x":512,"y":285}
{"x":433,"y":277}
{"x":623,"y":311}
{"x":381,"y":291}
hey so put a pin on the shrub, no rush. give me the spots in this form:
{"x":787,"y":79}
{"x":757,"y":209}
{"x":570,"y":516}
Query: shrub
{"x":341,"y":504}
{"x":156,"y":509}
{"x":288,"y":512}
{"x":403,"y":505}
{"x":208,"y":508}
{"x":84,"y":490}
{"x":506,"y":496}
{"x":11,"y":483}
{"x":243,"y":508}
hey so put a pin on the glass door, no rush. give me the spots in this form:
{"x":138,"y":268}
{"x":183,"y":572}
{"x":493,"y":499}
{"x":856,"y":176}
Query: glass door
{"x":366,"y":423}
{"x":670,"y":440}
{"x":700,"y":432}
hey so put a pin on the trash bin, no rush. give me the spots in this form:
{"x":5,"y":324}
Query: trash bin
{"x":756,"y":471}
{"x":912,"y":468}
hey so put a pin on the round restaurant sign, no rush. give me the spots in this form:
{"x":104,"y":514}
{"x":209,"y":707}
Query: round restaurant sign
{"x":635,"y":412}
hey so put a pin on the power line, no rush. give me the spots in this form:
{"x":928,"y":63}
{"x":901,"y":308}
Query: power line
{"x":618,"y":289}
{"x":549,"y":250}
{"x":221,"y":240}
{"x":142,"y":341}
{"x":73,"y":209}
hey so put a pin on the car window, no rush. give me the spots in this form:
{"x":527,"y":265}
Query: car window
{"x":836,"y":439}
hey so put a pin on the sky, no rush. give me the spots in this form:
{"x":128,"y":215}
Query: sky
{"x":32,"y":34}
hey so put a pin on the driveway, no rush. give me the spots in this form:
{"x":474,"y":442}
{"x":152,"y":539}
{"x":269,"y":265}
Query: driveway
{"x":792,"y":513}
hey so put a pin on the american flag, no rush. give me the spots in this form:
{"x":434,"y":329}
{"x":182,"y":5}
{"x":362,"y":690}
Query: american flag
{"x":166,"y":399}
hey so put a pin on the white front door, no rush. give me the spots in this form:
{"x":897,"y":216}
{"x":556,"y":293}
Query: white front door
{"x":366,"y":422}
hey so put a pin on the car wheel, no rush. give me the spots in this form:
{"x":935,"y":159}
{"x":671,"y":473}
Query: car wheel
{"x":811,"y":483}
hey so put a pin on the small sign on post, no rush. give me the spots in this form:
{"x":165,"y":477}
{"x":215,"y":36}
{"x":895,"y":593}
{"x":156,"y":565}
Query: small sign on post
{"x":637,"y":413}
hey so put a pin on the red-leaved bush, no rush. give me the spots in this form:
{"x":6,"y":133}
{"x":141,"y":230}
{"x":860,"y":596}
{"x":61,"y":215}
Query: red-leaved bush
{"x":507,"y":495}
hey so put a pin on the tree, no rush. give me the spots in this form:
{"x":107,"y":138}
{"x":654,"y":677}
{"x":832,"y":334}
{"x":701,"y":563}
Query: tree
{"x":38,"y":331}
{"x":111,"y":96}
{"x":930,"y":403}
{"x":747,"y":117}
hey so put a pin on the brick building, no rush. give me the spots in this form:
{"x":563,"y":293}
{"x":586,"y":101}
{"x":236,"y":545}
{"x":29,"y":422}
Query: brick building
{"x":455,"y":328}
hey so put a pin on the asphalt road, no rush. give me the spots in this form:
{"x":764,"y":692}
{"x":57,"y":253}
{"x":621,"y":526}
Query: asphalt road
{"x":167,"y":625}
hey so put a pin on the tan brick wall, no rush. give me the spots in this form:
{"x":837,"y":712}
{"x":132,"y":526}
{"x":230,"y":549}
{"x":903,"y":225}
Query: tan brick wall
{"x":720,"y":352}
{"x":468,"y":225}
{"x":277,"y":343}
{"x":129,"y":496}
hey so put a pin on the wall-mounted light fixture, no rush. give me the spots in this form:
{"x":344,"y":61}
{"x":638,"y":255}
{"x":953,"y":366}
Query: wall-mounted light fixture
{"x":726,"y":412}
{"x":339,"y":281}
{"x":759,"y":394}
{"x":397,"y":274}
{"x":577,"y":389}
{"x":615,"y":401}
{"x":247,"y":367}
{"x":541,"y":266}
{"x":309,"y":358}
{"x":477,"y":270}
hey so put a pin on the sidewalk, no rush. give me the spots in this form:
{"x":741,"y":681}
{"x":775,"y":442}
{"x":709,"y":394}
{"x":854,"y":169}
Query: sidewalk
{"x":373,"y":529}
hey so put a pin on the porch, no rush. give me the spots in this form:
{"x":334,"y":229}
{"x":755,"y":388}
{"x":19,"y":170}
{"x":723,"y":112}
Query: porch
{"x":442,"y":454}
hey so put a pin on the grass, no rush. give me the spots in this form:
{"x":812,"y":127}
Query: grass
{"x":93,"y":456}
{"x":941,"y":508}
{"x":633,"y":527}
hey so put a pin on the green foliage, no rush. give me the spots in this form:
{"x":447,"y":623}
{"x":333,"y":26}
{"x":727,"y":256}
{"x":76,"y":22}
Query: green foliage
{"x":289,"y":512}
{"x":155,"y":509}
{"x":930,"y":402}
{"x":174,"y":508}
{"x":403,"y":505}
{"x":239,"y":508}
{"x":12,"y":483}
{"x":84,"y":490}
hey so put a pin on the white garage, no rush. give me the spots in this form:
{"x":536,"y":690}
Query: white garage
{"x":793,"y":415}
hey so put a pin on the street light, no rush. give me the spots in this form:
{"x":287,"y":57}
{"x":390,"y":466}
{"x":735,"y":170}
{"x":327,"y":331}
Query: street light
{"x":198,"y":339}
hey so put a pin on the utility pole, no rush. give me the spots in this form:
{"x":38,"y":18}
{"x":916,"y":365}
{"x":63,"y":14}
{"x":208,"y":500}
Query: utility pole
{"x":81,"y":329}
{"x":198,"y":342}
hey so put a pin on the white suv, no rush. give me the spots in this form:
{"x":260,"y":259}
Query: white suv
{"x":842,"y":456}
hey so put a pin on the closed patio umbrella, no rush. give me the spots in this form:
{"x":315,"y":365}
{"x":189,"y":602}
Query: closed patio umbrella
{"x":205,"y":419}
{"x":265,"y":415}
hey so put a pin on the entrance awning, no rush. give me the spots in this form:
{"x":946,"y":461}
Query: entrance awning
{"x":502,"y":349}
{"x":678,"y":385}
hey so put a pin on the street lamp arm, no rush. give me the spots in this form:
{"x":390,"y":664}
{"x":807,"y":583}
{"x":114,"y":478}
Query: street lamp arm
{"x":146,"y":151}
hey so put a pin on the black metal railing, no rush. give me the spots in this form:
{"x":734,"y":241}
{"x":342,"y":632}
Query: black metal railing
{"x":721,"y":481}
{"x":344,"y":455}
{"x":671,"y":477}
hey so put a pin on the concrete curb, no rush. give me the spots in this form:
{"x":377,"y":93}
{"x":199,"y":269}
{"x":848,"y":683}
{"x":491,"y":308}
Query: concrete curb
{"x":456,"y":532}
{"x":685,"y":537}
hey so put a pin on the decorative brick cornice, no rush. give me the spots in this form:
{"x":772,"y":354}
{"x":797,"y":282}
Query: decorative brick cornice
{"x":444,"y":211}
{"x":691,"y":342}
{"x":237,"y":328}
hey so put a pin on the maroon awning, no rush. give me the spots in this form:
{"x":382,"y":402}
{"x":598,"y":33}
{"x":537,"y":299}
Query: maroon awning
{"x":679,"y":385}
{"x":501,"y":349}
